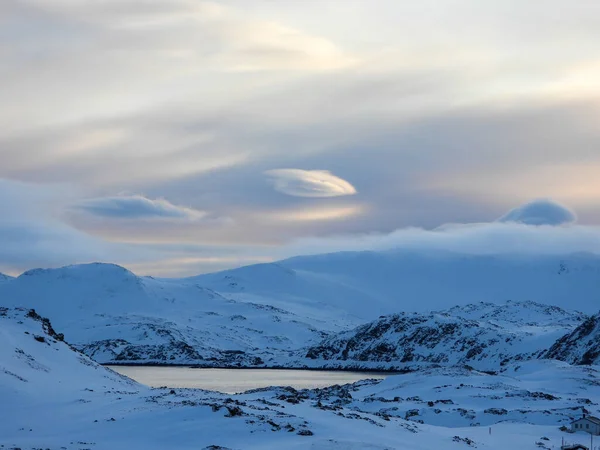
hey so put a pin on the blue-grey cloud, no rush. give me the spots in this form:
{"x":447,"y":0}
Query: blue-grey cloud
{"x":309,"y":183}
{"x":540,"y":212}
{"x":138,"y":207}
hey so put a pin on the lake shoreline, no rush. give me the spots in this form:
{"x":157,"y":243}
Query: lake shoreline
{"x":282,"y":368}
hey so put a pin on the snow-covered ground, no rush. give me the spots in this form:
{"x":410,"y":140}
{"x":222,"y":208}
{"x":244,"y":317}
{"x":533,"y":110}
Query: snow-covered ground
{"x":480,"y":313}
{"x":53,"y":397}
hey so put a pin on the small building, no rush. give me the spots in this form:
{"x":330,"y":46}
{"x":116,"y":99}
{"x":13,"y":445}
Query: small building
{"x":588,"y":424}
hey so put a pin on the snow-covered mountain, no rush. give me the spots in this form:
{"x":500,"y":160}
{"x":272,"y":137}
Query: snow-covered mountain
{"x":54,"y":397}
{"x":114,"y":316}
{"x":262,"y":314}
{"x":485,"y":336}
{"x":404,"y":281}
{"x":582,"y":346}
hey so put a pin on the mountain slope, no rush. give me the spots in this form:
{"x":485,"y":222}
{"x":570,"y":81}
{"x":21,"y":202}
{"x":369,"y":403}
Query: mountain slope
{"x":485,"y":336}
{"x":581,"y":346}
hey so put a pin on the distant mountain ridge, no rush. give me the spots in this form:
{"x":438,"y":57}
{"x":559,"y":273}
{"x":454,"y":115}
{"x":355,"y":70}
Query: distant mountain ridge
{"x":268,"y":314}
{"x":484,"y":336}
{"x":411,"y":281}
{"x":115,"y":316}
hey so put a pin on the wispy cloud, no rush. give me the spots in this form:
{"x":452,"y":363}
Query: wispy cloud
{"x":309,"y":183}
{"x":138,"y":207}
{"x":301,"y":215}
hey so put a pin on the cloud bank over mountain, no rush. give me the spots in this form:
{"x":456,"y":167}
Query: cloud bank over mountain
{"x":160,"y":237}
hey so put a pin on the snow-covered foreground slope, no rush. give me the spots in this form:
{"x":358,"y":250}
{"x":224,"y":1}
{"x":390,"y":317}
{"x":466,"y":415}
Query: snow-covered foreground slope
{"x":56,"y":398}
{"x":485,"y":336}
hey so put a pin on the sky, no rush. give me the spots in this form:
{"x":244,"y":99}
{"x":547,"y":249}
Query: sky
{"x":187,"y":136}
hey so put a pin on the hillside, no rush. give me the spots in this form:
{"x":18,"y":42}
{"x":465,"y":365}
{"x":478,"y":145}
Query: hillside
{"x":485,"y":336}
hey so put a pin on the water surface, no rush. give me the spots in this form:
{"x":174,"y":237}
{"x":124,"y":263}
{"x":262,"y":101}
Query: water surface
{"x":239,"y":380}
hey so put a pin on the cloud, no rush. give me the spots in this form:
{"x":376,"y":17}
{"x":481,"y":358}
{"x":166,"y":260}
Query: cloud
{"x":309,"y":183}
{"x":31,"y":234}
{"x":478,"y":239}
{"x":138,"y":207}
{"x":493,"y":239}
{"x":302,"y":215}
{"x":25,"y":243}
{"x":540,"y":212}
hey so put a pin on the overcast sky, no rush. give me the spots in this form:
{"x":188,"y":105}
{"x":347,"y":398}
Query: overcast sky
{"x":186,"y":136}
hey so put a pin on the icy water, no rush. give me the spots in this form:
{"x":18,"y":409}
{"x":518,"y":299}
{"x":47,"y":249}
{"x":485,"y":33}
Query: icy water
{"x":239,"y":380}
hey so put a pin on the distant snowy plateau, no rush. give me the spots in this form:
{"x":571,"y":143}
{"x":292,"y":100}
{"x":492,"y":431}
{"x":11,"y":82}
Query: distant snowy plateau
{"x":507,"y":342}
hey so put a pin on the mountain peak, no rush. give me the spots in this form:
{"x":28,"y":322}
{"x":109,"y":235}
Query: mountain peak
{"x":81,"y":270}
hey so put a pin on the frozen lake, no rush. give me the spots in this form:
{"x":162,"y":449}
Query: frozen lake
{"x":239,"y":380}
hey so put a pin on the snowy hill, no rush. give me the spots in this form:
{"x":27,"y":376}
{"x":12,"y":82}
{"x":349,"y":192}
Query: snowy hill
{"x":395,"y":281}
{"x":582,"y":346}
{"x":485,"y":336}
{"x":54,"y":397}
{"x":114,"y":316}
{"x":370,"y":284}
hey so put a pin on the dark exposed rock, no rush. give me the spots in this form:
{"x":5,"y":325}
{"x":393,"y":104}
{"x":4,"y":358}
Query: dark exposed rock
{"x":420,"y":338}
{"x":582,"y":346}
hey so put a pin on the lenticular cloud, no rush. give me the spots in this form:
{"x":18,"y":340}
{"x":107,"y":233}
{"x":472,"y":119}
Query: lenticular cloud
{"x":540,"y":212}
{"x":309,"y":183}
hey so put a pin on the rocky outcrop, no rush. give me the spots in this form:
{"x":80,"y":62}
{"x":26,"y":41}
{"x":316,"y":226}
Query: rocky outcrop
{"x":582,"y":346}
{"x":484,"y":336}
